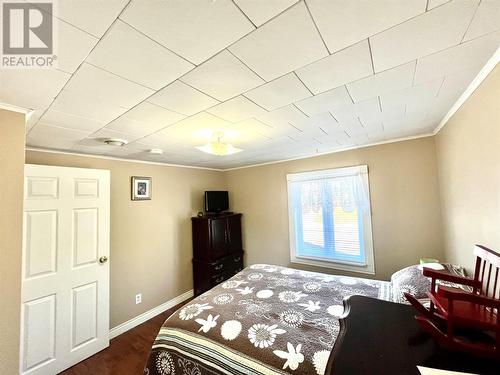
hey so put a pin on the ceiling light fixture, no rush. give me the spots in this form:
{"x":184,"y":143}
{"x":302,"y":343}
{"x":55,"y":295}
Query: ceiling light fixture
{"x":156,"y":151}
{"x":115,"y":142}
{"x":218,"y":147}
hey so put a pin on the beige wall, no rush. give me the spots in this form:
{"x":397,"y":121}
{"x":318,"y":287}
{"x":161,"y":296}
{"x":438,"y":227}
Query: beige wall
{"x":151,"y":247}
{"x":404,"y":196}
{"x":11,"y":214}
{"x":469,"y":173}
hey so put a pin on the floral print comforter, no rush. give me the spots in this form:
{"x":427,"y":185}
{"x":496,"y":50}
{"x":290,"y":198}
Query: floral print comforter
{"x":265,"y":320}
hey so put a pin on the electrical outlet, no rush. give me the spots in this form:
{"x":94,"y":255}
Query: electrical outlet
{"x":138,"y":298}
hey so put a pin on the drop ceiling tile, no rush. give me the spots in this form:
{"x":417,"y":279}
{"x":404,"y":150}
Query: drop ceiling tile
{"x":422,"y":35}
{"x":318,"y":125}
{"x":282,"y":116}
{"x":261,"y":11}
{"x":325,"y":102}
{"x":237,"y":109}
{"x":31,"y":88}
{"x":435,"y":3}
{"x":338,"y":69}
{"x":130,"y":54}
{"x":100,"y":84}
{"x":72,"y":46}
{"x":267,"y":131}
{"x":383,"y":82}
{"x":280,"y":92}
{"x":144,"y":119}
{"x":70,"y":121}
{"x":52,"y":136}
{"x":153,"y":115}
{"x":343,"y":23}
{"x":222,"y":77}
{"x":286,"y":43}
{"x":86,"y":106}
{"x":194,"y":32}
{"x":181,"y":98}
{"x":93,"y":16}
{"x":486,"y":19}
{"x":471,"y":55}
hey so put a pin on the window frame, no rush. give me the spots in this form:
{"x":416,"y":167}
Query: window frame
{"x":368,"y":266}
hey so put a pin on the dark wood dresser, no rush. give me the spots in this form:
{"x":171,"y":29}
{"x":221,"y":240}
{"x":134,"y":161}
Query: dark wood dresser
{"x":380,"y":337}
{"x":217,"y":249}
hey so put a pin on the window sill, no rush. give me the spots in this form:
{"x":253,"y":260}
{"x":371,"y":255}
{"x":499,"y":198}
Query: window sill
{"x":341,"y":266}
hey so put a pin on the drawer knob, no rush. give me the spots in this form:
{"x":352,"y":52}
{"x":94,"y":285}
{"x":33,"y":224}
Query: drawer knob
{"x":219,"y":266}
{"x":219,"y":279}
{"x":237,"y":259}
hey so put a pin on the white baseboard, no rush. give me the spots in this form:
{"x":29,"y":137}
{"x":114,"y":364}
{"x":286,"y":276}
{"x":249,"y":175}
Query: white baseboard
{"x":134,"y":322}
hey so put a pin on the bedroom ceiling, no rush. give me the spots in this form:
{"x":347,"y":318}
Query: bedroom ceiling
{"x":282,"y":78}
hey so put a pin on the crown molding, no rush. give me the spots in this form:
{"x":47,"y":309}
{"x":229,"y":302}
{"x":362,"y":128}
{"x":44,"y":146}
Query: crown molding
{"x":476,"y":82}
{"x":50,"y":151}
{"x":15,"y":108}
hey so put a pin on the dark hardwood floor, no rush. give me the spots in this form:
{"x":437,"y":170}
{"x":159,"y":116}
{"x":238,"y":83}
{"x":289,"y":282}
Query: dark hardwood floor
{"x":127,"y":353}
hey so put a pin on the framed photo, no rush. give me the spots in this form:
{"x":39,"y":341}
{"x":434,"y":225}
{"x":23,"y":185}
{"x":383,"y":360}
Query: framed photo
{"x":141,"y":188}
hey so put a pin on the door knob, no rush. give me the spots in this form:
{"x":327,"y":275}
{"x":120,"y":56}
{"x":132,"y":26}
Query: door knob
{"x":103,"y":259}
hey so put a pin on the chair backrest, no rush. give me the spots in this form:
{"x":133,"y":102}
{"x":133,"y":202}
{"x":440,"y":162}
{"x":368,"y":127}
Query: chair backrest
{"x":486,"y":272}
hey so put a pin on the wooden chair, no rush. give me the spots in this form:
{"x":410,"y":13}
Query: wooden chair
{"x":466,"y":318}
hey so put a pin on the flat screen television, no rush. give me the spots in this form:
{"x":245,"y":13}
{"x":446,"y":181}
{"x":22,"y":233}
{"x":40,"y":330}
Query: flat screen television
{"x":216,"y":201}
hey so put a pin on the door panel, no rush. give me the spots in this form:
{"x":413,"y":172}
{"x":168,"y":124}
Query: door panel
{"x":39,"y":342}
{"x":234,"y":233}
{"x":219,"y":237}
{"x":85,"y":236}
{"x":65,"y":290}
{"x":41,"y":243}
{"x":84,"y":314}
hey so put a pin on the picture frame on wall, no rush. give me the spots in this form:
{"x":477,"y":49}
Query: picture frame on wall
{"x":141,"y":188}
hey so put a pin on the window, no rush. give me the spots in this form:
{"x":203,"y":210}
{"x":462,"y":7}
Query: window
{"x":330,"y":219}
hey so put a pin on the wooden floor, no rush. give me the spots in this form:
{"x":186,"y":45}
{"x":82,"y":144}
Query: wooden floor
{"x":127,"y":353}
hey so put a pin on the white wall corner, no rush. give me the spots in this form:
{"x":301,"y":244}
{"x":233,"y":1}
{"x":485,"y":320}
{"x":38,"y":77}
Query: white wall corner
{"x":481,"y":76}
{"x":134,"y":322}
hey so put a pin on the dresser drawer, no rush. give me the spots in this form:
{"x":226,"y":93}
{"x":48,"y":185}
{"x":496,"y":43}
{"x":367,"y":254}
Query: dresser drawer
{"x":209,"y":274}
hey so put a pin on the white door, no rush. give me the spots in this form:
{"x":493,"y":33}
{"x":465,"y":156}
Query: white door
{"x":65,"y":276}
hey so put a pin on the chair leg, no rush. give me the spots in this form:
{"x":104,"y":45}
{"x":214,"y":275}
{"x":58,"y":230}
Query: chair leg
{"x":421,"y":309}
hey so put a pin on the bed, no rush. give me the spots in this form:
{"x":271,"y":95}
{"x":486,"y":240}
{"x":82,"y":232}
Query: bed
{"x":265,"y":320}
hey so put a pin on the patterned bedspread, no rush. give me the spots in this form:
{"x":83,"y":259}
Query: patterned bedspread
{"x":265,"y":320}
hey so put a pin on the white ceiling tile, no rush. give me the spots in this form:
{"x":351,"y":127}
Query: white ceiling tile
{"x":222,"y":77}
{"x":318,"y":125}
{"x":32,"y":118}
{"x":383,"y":82}
{"x":486,"y":19}
{"x":422,"y":35}
{"x":435,"y":3}
{"x":195,"y":32}
{"x":280,"y":92}
{"x":325,"y":102}
{"x":153,"y":115}
{"x":54,"y":137}
{"x":72,"y":46}
{"x":343,"y":23}
{"x":31,"y":88}
{"x":338,"y":69}
{"x":282,"y":116}
{"x":470,"y":55}
{"x":100,"y":84}
{"x":93,"y":16}
{"x":182,"y":98}
{"x":261,"y":11}
{"x":266,"y":130}
{"x":70,"y":121}
{"x":144,"y":119}
{"x":237,"y":109}
{"x":286,"y":43}
{"x":86,"y":106}
{"x":132,"y":55}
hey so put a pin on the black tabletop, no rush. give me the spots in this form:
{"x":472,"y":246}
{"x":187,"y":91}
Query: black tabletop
{"x":380,"y":337}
